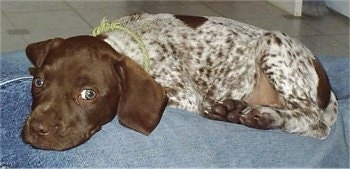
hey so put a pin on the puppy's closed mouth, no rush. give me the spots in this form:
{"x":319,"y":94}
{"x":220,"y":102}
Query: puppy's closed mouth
{"x":58,"y":140}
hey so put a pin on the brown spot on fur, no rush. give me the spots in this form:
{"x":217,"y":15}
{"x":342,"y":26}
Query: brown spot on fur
{"x":240,"y":51}
{"x":278,"y":41}
{"x":209,"y":61}
{"x":323,"y":88}
{"x":268,"y":41}
{"x":192,"y":21}
{"x":134,"y":17}
{"x":220,"y":54}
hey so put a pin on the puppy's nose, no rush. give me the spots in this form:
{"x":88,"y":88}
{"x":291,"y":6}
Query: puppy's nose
{"x":39,"y":127}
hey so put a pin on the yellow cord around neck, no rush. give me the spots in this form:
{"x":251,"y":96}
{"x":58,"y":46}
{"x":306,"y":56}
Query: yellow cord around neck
{"x":106,"y":26}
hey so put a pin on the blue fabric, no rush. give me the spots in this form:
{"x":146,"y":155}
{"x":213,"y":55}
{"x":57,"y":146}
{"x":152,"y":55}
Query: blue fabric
{"x":182,"y":139}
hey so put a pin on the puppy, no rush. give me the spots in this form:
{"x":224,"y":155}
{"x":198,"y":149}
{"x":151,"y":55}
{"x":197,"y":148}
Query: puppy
{"x":220,"y":68}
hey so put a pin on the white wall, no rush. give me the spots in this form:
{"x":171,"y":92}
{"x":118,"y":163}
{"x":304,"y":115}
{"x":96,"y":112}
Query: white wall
{"x":341,"y":6}
{"x":294,"y":7}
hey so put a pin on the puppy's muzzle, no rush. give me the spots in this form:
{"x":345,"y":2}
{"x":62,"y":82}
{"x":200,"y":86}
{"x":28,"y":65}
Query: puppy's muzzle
{"x":39,"y":128}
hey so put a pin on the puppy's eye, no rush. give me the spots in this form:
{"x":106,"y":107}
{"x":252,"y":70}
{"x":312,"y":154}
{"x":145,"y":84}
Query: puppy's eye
{"x":88,"y":94}
{"x":38,"y":82}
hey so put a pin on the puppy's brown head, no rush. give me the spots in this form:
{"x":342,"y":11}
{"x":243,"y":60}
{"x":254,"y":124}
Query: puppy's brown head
{"x":81,"y":83}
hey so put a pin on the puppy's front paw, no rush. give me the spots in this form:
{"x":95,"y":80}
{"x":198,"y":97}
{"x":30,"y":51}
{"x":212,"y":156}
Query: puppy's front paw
{"x":256,"y":119}
{"x":228,"y":110}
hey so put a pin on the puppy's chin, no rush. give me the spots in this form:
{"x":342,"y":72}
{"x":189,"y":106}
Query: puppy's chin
{"x":56,"y":141}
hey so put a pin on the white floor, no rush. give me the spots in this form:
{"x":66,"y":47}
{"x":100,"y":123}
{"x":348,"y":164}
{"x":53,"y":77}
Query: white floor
{"x":24,"y":22}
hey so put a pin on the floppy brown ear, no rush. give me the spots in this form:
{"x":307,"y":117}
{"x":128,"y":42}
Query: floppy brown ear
{"x":142,"y":100}
{"x":37,"y":52}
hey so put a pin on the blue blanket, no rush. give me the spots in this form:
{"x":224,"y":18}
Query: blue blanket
{"x":182,"y":139}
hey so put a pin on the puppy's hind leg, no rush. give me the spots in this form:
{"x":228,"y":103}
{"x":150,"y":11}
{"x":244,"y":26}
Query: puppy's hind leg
{"x":286,"y":92}
{"x":306,"y":122}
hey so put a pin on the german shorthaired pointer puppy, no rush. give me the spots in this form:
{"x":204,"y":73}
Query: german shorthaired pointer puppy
{"x":220,"y":68}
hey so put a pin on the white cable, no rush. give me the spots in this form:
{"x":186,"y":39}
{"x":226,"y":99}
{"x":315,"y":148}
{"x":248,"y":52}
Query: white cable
{"x":12,"y":80}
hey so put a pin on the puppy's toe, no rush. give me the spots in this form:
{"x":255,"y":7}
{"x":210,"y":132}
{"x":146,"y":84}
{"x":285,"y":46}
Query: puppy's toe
{"x":235,"y":106}
{"x":217,"y":112}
